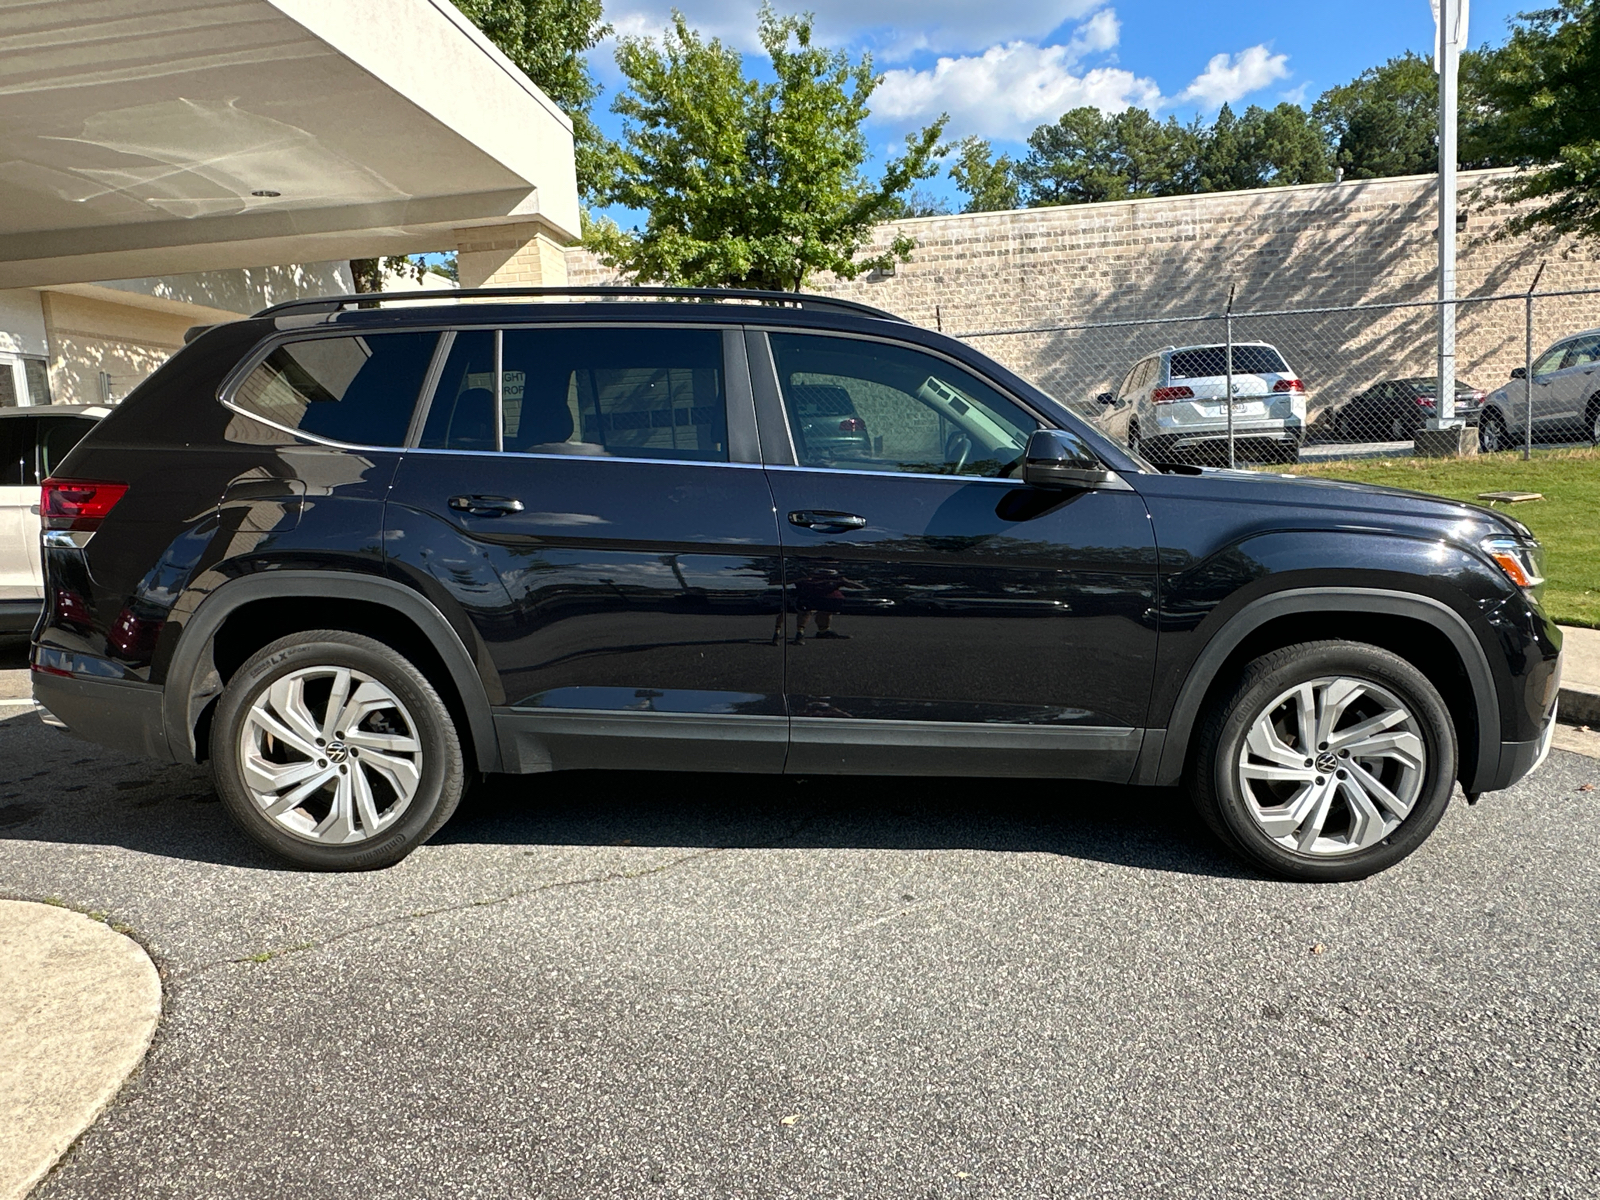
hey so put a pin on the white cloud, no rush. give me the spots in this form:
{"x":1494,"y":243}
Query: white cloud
{"x":1008,"y":90}
{"x":893,"y":29}
{"x":1228,"y":78}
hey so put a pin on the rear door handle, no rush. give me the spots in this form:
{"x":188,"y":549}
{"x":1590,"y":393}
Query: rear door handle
{"x":486,"y":506}
{"x":826,"y":522}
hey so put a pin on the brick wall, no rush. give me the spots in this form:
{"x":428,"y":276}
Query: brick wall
{"x":1321,"y":245}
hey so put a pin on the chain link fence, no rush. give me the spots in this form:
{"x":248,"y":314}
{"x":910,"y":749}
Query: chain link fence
{"x":1357,"y":380}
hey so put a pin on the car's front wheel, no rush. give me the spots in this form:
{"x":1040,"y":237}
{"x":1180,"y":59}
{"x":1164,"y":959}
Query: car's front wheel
{"x":333,"y":751}
{"x":1326,"y":761}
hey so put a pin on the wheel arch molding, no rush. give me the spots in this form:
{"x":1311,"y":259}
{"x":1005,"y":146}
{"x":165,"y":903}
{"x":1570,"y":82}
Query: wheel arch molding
{"x":193,"y":679}
{"x":1167,"y":756}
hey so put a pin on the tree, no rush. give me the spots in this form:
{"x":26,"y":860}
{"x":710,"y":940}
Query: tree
{"x":547,"y":40}
{"x":990,"y":183}
{"x":1385,"y":121}
{"x":1539,"y":93}
{"x":1087,"y":157}
{"x":1263,"y":148}
{"x":750,"y":184}
{"x":919,"y":202}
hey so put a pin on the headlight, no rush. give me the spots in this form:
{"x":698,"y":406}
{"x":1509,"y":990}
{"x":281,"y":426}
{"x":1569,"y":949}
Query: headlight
{"x":1522,"y":562}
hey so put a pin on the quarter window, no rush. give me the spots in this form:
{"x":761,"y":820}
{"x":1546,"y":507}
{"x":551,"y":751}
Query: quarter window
{"x":347,"y":389}
{"x":864,"y":405}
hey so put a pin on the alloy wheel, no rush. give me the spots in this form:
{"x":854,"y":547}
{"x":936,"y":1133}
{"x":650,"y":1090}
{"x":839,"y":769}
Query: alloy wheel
{"x":330,"y":754}
{"x":1332,"y":766}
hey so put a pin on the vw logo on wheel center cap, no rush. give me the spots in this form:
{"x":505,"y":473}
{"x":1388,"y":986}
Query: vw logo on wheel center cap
{"x":1326,"y":761}
{"x":336,"y":751}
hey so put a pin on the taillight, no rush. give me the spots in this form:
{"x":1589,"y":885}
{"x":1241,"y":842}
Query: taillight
{"x":1167,"y":395}
{"x":77,"y":503}
{"x":1288,"y":385}
{"x":852,"y":425}
{"x":1424,"y":401}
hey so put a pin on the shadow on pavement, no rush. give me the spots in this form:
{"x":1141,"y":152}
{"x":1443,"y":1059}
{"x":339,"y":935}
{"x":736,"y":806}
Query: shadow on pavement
{"x":63,"y":790}
{"x":1138,"y":827}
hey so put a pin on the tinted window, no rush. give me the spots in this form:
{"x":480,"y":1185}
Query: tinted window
{"x":57,"y":437}
{"x":636,"y":393}
{"x":16,"y":451}
{"x":1208,"y":361}
{"x":461,"y":416}
{"x":631,"y":393}
{"x":873,"y":406}
{"x":349,"y":389}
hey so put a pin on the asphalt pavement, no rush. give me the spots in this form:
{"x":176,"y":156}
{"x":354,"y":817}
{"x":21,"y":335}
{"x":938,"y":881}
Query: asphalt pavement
{"x":637,"y":985}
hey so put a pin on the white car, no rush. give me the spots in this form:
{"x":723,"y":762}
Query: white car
{"x":1566,"y":397}
{"x":32,"y":441}
{"x":1172,"y":405}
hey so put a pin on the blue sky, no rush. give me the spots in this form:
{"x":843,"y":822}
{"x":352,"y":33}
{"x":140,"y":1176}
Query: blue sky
{"x":1002,"y":68}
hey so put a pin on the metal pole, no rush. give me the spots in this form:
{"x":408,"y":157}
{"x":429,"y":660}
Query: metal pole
{"x":1228,"y":320}
{"x":1527,"y":371}
{"x":1451,"y":19}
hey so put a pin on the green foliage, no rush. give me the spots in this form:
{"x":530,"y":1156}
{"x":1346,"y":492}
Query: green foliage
{"x":990,"y":183}
{"x":1385,"y":121}
{"x":1087,"y":157}
{"x":1542,"y":87}
{"x":1263,"y":148}
{"x":547,"y":39}
{"x":919,"y":202}
{"x":750,"y":184}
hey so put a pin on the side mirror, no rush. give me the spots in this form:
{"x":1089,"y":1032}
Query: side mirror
{"x":1056,"y":459}
{"x":1519,"y":372}
{"x":1105,"y":398}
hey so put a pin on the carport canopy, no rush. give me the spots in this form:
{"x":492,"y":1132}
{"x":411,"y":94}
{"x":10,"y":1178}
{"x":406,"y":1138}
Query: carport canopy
{"x":152,"y":137}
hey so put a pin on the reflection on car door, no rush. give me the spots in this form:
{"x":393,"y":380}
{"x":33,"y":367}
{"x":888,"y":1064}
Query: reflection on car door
{"x":600,"y":514}
{"x":935,"y":606}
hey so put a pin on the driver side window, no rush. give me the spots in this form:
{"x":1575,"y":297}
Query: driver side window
{"x":862,"y":405}
{"x":1551,"y":360}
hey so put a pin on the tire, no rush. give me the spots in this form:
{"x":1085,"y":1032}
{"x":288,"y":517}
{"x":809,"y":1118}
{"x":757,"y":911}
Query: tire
{"x":1591,"y":420}
{"x":1133,"y":440}
{"x":273,"y":739}
{"x":1274,"y":822}
{"x":1492,"y":436}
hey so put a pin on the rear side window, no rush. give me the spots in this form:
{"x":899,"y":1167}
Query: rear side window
{"x":629,"y":393}
{"x":1206,"y":362}
{"x":57,"y":437}
{"x":347,"y":389}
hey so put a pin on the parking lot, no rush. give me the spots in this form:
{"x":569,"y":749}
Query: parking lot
{"x":631,"y":985}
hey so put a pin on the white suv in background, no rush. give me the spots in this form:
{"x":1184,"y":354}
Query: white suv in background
{"x":1172,"y":405}
{"x":32,"y":441}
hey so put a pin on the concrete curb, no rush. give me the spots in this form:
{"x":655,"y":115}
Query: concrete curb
{"x":1580,"y":676}
{"x":79,"y":1004}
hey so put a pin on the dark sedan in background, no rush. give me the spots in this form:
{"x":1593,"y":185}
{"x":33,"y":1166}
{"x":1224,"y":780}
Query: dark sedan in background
{"x":1393,"y":411}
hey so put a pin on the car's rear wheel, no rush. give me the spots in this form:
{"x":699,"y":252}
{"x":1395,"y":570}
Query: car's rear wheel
{"x":1134,"y":443}
{"x":333,"y":751}
{"x":1492,"y":436}
{"x":1327,"y":761}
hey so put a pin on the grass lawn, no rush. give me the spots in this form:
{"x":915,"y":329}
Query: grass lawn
{"x":1567,"y":520}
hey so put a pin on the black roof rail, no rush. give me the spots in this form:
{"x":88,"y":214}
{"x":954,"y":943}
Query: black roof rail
{"x":605,"y":291}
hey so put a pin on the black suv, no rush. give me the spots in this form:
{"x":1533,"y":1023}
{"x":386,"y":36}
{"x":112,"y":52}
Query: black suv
{"x":358,"y":551}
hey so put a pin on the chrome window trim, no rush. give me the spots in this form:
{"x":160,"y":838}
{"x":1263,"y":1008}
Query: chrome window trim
{"x":670,"y":462}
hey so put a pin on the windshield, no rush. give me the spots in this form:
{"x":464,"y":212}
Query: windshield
{"x":1207,"y":362}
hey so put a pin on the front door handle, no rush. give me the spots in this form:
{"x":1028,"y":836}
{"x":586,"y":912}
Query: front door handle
{"x":826,"y":522}
{"x":486,"y":506}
